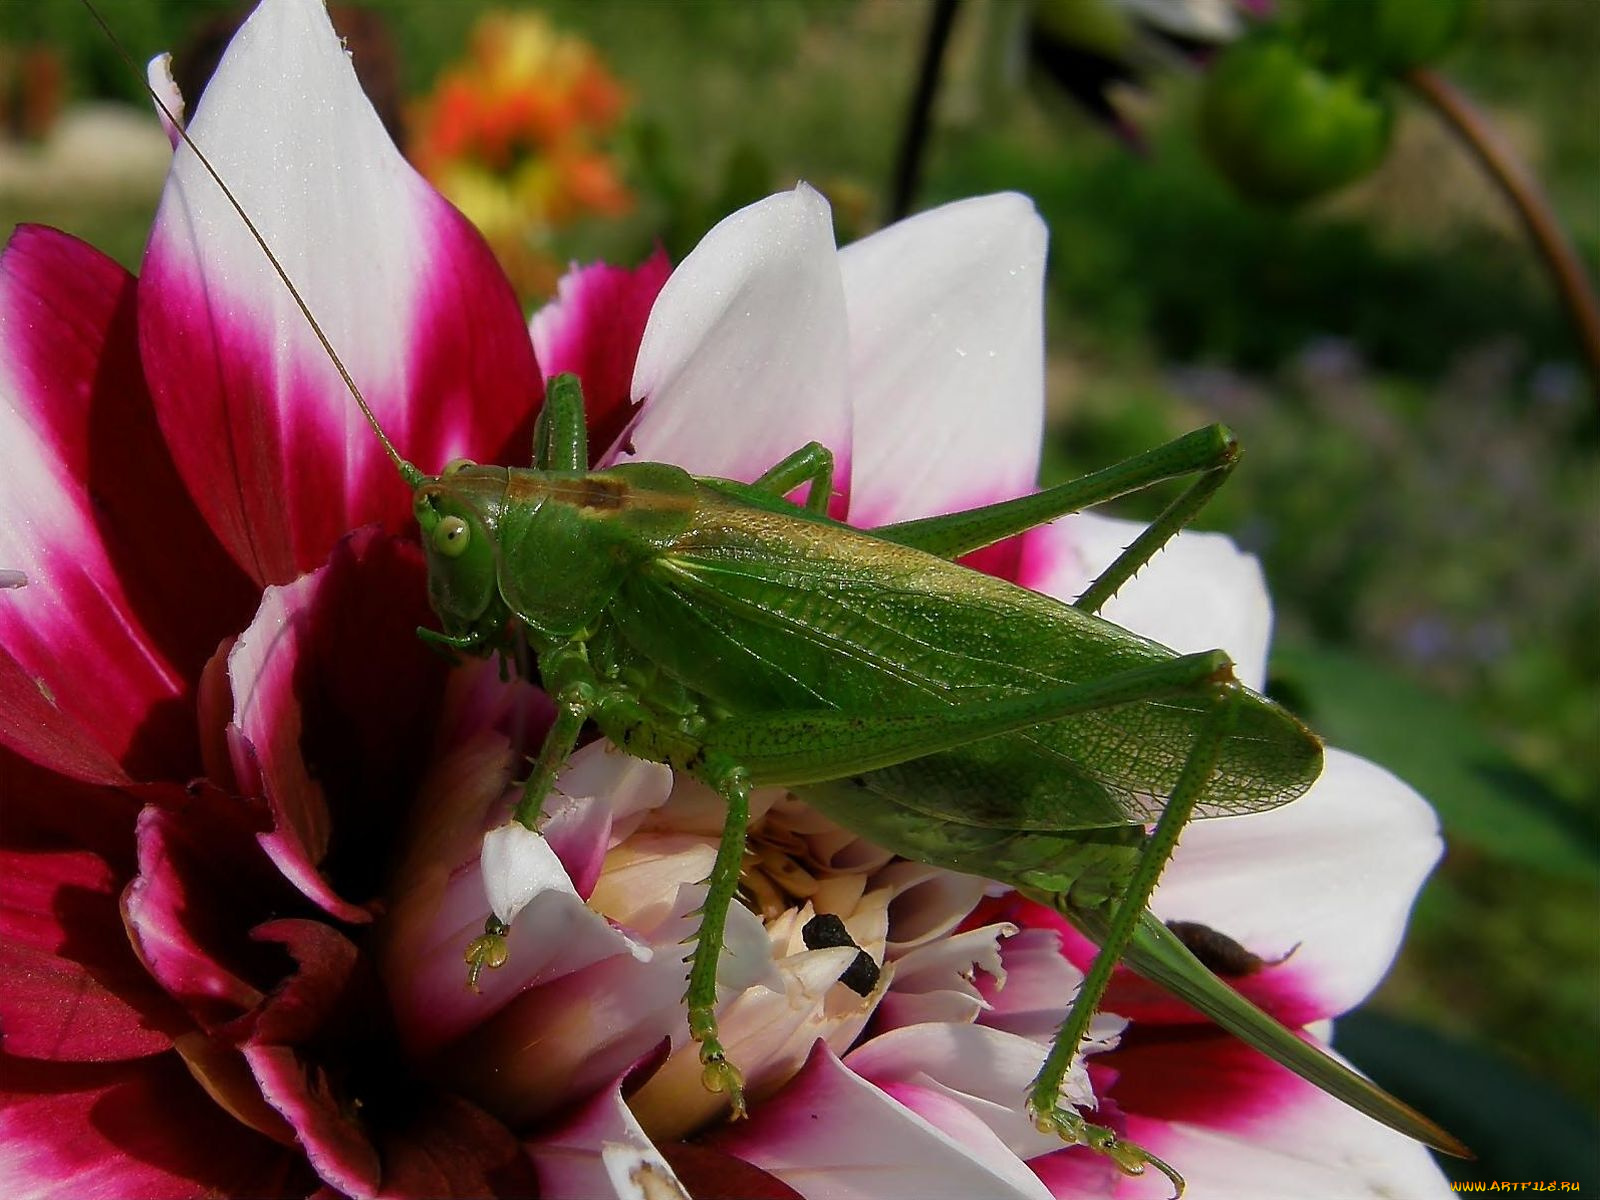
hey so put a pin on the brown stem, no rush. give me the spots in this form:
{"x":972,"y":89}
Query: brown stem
{"x":1520,"y":187}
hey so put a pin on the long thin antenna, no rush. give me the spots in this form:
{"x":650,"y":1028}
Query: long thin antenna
{"x":411,"y":474}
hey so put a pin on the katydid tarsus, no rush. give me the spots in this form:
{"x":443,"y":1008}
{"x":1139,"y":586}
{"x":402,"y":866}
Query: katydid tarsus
{"x":949,"y":716}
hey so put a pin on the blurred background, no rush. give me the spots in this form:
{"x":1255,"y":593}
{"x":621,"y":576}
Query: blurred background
{"x":1278,"y":215}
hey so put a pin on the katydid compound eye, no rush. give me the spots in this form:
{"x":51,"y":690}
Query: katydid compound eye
{"x":454,"y":465}
{"x":451,"y":536}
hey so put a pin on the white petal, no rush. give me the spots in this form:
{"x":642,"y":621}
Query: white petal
{"x":158,"y":74}
{"x":745,"y":357}
{"x":1200,"y":592}
{"x":518,"y":865}
{"x":946,"y":358}
{"x":1330,"y":877}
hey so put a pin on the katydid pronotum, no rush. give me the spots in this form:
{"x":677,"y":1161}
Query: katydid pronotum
{"x":951,"y":717}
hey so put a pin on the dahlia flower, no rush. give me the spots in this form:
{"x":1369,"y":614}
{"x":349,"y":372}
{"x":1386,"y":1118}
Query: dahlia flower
{"x":244,"y":808}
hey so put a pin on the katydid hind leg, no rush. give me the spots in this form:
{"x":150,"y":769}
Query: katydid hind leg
{"x":951,"y":535}
{"x":1044,"y":1094}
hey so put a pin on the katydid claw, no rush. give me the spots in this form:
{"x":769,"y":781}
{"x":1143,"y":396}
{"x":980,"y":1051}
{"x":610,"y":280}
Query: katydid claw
{"x":719,"y":1075}
{"x":490,"y":950}
{"x":1127,"y":1157}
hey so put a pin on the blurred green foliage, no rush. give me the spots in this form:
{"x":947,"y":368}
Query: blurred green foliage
{"x":1421,"y":478}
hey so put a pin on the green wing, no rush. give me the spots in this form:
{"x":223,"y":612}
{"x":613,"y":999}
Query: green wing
{"x":759,"y":610}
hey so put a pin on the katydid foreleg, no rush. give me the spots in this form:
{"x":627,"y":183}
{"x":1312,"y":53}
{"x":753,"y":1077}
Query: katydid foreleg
{"x":813,"y":464}
{"x":575,"y":693}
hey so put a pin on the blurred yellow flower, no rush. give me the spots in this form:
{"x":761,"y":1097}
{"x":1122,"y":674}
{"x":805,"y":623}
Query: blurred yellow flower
{"x":515,"y":136}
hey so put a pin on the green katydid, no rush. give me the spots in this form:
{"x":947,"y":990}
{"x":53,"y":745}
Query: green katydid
{"x":951,"y":717}
{"x":954,"y":718}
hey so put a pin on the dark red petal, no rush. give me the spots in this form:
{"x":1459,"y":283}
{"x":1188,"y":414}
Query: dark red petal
{"x":74,"y":989}
{"x":203,"y":882}
{"x":711,"y":1174}
{"x":319,"y":1103}
{"x":127,"y":592}
{"x":328,"y":1127}
{"x":41,"y":810}
{"x":315,"y":994}
{"x":451,"y":1148}
{"x":593,"y":329}
{"x":335,"y":702}
{"x":144,"y":1128}
{"x":1198,"y":1074}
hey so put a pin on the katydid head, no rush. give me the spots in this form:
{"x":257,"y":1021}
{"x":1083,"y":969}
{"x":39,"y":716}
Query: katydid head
{"x":457,"y":512}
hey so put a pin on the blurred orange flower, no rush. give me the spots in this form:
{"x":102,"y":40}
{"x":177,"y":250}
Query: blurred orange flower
{"x":515,"y":136}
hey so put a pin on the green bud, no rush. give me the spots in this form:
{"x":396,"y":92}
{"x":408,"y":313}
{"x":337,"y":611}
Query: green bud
{"x":1283,"y":130}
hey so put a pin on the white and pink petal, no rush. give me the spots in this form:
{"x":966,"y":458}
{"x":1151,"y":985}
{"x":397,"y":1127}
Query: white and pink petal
{"x":1239,"y":1127}
{"x":1200,"y":592}
{"x":946,"y":316}
{"x":269,"y":442}
{"x":745,"y":357}
{"x":1325,"y":884}
{"x":116,"y":580}
{"x":333,"y":700}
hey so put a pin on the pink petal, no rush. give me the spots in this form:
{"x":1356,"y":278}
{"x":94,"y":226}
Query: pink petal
{"x":1199,"y":593}
{"x":569,"y":1157}
{"x":938,"y":981}
{"x":1327,"y":880}
{"x":947,"y":358}
{"x":75,"y":992}
{"x":266,"y":437}
{"x":555,"y":937}
{"x":985,"y":1071}
{"x":599,"y":1005}
{"x":745,"y":358}
{"x":1039,"y":984}
{"x":127,"y":592}
{"x":144,"y":1128}
{"x":593,"y":329}
{"x":831,"y":1135}
{"x":334,"y":701}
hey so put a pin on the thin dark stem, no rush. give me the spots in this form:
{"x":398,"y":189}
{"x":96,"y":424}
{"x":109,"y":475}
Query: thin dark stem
{"x":914,"y":145}
{"x":1526,"y":196}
